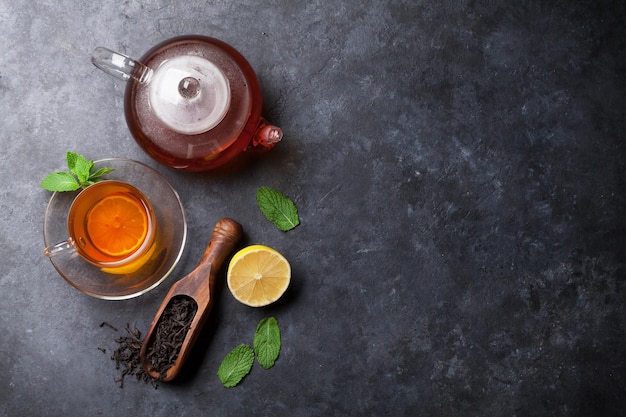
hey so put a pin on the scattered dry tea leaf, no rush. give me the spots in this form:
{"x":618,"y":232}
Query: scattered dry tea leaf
{"x":126,"y":357}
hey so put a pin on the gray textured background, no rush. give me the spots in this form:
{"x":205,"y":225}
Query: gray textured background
{"x":459,"y":170}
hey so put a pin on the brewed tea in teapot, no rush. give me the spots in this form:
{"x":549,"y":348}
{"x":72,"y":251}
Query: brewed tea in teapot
{"x":191,"y":102}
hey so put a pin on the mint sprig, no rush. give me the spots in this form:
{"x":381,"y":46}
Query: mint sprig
{"x":81,"y":174}
{"x":277,"y":208}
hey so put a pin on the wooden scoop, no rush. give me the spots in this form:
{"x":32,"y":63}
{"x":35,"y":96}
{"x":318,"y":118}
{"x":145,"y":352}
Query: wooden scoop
{"x":197,"y":285}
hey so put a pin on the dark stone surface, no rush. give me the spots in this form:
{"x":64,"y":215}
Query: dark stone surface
{"x":459,"y":171}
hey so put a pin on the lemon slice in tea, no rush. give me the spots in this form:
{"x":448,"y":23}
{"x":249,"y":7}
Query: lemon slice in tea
{"x":258,"y":275}
{"x":117,"y":225}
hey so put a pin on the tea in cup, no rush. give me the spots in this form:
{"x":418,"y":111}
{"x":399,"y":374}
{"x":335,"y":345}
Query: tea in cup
{"x":112,"y":225}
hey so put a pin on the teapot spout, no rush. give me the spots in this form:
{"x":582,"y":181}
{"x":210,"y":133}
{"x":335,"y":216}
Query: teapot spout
{"x":120,"y":66}
{"x":265,"y":137}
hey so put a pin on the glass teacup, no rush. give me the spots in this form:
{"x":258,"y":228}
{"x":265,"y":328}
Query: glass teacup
{"x":112,"y":225}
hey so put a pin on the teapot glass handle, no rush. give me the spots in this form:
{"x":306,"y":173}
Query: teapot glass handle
{"x":120,"y":66}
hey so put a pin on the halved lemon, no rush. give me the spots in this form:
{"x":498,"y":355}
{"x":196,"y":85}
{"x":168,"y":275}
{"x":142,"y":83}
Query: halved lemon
{"x":117,"y":225}
{"x":258,"y":275}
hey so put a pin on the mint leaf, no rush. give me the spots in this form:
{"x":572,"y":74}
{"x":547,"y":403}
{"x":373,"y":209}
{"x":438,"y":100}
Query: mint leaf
{"x":79,"y":165}
{"x":267,"y":342}
{"x":99,"y":173}
{"x":70,"y":158}
{"x":60,"y":181}
{"x":277,"y":208}
{"x":236,"y":365}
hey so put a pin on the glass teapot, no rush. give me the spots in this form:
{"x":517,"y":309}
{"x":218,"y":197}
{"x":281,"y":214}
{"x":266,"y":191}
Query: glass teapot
{"x":191,"y":102}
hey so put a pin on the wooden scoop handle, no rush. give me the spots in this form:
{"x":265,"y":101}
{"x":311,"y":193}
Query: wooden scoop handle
{"x":226,"y":234}
{"x":199,"y":285}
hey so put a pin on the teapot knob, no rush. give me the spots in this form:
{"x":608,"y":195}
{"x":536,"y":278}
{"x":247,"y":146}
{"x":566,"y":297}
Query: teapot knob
{"x":120,"y":66}
{"x":189,"y":87}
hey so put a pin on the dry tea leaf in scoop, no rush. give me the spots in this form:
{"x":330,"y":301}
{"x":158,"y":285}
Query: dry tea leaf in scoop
{"x":179,"y":320}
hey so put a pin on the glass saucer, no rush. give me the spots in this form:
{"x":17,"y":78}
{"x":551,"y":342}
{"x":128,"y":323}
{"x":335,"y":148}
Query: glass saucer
{"x":170,"y":239}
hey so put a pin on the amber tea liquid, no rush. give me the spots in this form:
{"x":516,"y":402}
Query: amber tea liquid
{"x":112,"y":225}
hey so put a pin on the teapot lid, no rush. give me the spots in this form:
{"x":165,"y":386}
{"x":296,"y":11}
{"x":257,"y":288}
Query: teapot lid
{"x":189,"y":94}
